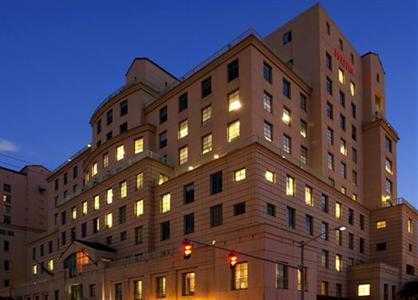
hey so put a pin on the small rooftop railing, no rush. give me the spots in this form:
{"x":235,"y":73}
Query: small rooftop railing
{"x":71,"y":158}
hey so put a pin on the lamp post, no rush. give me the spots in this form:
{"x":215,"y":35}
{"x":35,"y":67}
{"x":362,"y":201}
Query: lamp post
{"x":302,"y":245}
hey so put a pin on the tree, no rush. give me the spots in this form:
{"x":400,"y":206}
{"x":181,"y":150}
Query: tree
{"x":409,"y":291}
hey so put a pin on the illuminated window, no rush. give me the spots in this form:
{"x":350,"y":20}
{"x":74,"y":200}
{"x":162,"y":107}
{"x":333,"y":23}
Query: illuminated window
{"x":74,"y":213}
{"x":139,"y":208}
{"x":240,"y":276}
{"x":363,"y":289}
{"x":34,"y":269}
{"x":339,"y":238}
{"x":96,"y":201}
{"x":96,"y":225}
{"x":233,"y":131}
{"x":94,"y":169}
{"x":81,"y":260}
{"x":290,"y":186}
{"x":286,"y":118}
{"x":410,"y":226}
{"x":139,"y":181}
{"x":352,"y":88}
{"x":105,"y":160}
{"x":206,"y":143}
{"x":299,"y":279}
{"x":267,"y":102}
{"x":123,"y":189}
{"x":343,"y":190}
{"x":381,"y":224}
{"x":388,"y":166}
{"x":162,"y":178}
{"x":303,"y":129}
{"x":109,"y":220}
{"x":84,"y":208}
{"x":188,"y":284}
{"x":120,"y":152}
{"x":165,"y":203}
{"x":268,"y":131}
{"x":139,"y":145}
{"x":239,"y":175}
{"x":51,"y":264}
{"x":338,"y":263}
{"x":270,"y":176}
{"x":137,"y":289}
{"x":309,"y":196}
{"x":109,"y":196}
{"x":183,"y":155}
{"x":330,"y":161}
{"x":183,"y":130}
{"x":233,"y":101}
{"x":282,"y":276}
{"x":338,"y":210}
{"x":343,"y":147}
{"x":161,"y":287}
{"x":388,"y":186}
{"x":206,"y":114}
{"x":354,"y":197}
{"x":341,"y":76}
{"x":324,"y":288}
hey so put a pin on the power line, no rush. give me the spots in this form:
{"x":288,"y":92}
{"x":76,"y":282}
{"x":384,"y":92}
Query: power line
{"x":17,"y":159}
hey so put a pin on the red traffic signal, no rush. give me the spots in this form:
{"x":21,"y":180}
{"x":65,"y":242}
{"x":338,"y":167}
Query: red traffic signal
{"x":232,"y":259}
{"x":187,"y":249}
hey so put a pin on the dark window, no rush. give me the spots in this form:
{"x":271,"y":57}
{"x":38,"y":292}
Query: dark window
{"x":329,"y":86}
{"x":233,"y":70}
{"x":122,"y":214}
{"x":206,"y":87}
{"x":388,"y":144}
{"x":350,"y":240}
{"x":271,"y":209}
{"x":328,"y":61}
{"x":75,"y":172}
{"x":216,"y":183}
{"x":163,"y":139}
{"x":109,"y":135}
{"x":118,"y":291}
{"x":287,"y":37}
{"x":109,"y":240}
{"x":56,"y":183}
{"x":163,"y":114}
{"x":267,"y":72}
{"x":50,"y":247}
{"x":291,"y":217}
{"x":83,"y":230}
{"x":324,"y":203}
{"x":188,"y":193}
{"x":63,"y":238}
{"x":338,"y":290}
{"x":410,"y":270}
{"x":342,"y":99}
{"x":41,"y":250}
{"x":239,"y":208}
{"x":309,"y":225}
{"x":216,"y":215}
{"x":7,"y":219}
{"x":183,"y":102}
{"x":328,"y":29}
{"x":351,"y":216}
{"x":95,"y":225}
{"x":139,"y":234}
{"x":410,"y":247}
{"x":362,"y":222}
{"x":65,"y":178}
{"x":188,"y":223}
{"x":330,"y":111}
{"x":63,"y":217}
{"x":99,"y":126}
{"x":6,"y":265}
{"x":6,"y":283}
{"x":7,"y":188}
{"x":342,"y":122}
{"x":56,"y":295}
{"x":33,"y":252}
{"x":353,"y":110}
{"x":109,"y":117}
{"x":303,"y":102}
{"x":123,"y":127}
{"x":381,"y":247}
{"x":92,"y":289}
{"x":73,"y":234}
{"x":354,"y":132}
{"x":286,"y":88}
{"x":341,"y":44}
{"x":325,"y":231}
{"x":362,"y":245}
{"x":165,"y":230}
{"x":6,"y":245}
{"x":123,"y":108}
{"x":123,"y":236}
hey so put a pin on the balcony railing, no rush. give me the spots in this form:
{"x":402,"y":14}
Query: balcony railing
{"x":111,"y":172}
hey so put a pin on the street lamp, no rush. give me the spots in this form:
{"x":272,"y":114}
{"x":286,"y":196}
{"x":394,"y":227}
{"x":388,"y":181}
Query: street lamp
{"x":302,"y":245}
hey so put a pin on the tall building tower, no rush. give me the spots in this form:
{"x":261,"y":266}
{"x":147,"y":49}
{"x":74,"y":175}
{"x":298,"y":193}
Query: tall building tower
{"x":273,"y":163}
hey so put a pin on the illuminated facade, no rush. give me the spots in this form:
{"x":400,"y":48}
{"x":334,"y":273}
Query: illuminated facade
{"x":274,"y":141}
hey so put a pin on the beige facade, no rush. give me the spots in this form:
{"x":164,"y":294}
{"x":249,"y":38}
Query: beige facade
{"x":275,"y":141}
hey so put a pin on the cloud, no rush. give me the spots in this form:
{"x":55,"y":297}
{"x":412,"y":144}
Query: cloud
{"x":7,"y":146}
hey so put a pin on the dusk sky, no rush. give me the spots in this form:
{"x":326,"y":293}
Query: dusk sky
{"x":60,"y":59}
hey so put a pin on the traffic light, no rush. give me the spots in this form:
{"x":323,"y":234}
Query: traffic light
{"x":232,"y":259}
{"x":187,"y":249}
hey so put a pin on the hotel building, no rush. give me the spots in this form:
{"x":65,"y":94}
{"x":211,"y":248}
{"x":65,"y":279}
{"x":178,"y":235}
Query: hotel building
{"x":271,"y":142}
